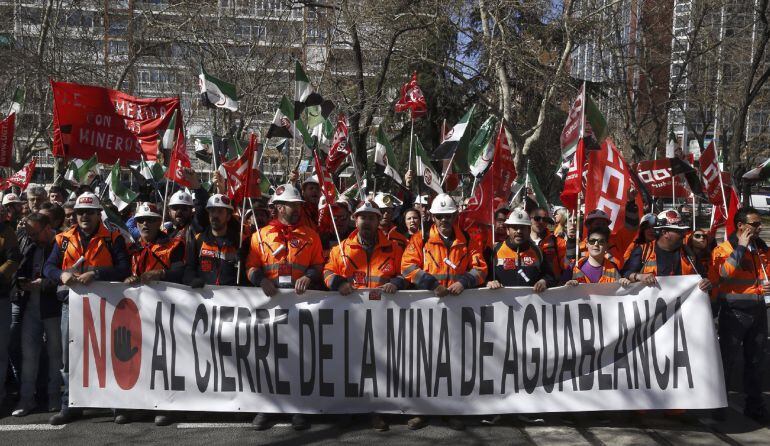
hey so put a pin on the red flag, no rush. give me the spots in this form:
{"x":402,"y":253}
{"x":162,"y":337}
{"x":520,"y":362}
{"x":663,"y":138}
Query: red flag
{"x":657,"y":177}
{"x":179,"y":160}
{"x":503,"y":168}
{"x":113,"y":125}
{"x":573,"y":183}
{"x":324,"y":180}
{"x":412,"y":99}
{"x":340,"y":147}
{"x":481,"y":204}
{"x":7,"y":128}
{"x":607,"y":184}
{"x":242,"y":174}
{"x":20,"y":178}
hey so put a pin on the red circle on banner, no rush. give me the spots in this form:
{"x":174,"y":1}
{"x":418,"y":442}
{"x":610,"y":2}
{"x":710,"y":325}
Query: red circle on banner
{"x":126,"y":335}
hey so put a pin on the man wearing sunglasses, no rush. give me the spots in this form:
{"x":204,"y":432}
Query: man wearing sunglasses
{"x":739,"y":269}
{"x":554,"y":249}
{"x":154,"y":256}
{"x":666,"y":256}
{"x":81,"y":255}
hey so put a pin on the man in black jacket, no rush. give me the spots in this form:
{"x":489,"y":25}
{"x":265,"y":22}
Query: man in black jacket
{"x":40,"y":313}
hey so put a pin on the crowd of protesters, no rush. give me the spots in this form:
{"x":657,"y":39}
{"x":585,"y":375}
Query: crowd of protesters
{"x":52,"y":237}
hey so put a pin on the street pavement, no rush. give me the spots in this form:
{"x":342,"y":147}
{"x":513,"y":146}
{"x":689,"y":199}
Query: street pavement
{"x":615,"y":429}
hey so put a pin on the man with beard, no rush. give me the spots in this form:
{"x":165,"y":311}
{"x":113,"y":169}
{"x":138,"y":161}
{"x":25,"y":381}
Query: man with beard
{"x":554,"y":249}
{"x":212,"y":258}
{"x":366,"y":259}
{"x":311,"y":193}
{"x":445,"y":260}
{"x":187,"y":219}
{"x":81,"y":255}
{"x":36,"y":196}
{"x":155,"y":257}
{"x":57,"y":194}
{"x":13,"y":207}
{"x":517,"y":259}
{"x":285,"y":254}
{"x":385,"y":203}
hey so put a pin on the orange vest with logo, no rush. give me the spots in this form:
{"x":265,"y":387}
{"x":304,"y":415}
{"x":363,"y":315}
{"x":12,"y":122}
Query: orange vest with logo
{"x":737,"y":281}
{"x":351,"y":262}
{"x":97,"y":254}
{"x":298,"y":249}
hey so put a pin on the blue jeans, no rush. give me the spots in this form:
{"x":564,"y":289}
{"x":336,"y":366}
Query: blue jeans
{"x":32,"y":329}
{"x":5,"y":332}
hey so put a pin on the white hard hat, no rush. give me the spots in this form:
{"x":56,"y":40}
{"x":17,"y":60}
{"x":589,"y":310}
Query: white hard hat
{"x":219,"y":201}
{"x":286,"y":193}
{"x":368,"y":206}
{"x":597,"y":214}
{"x":649,"y":219}
{"x":181,"y":197}
{"x":421,"y":199}
{"x":443,"y":204}
{"x":11,"y":198}
{"x":87,"y":200}
{"x":518,"y":218}
{"x":383,"y":200}
{"x":147,"y":209}
{"x":670,"y":219}
{"x":311,"y":179}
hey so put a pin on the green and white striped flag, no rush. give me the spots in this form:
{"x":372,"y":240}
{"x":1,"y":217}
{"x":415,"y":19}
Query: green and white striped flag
{"x":152,"y":170}
{"x":302,"y":87}
{"x":114,"y":222}
{"x":82,"y":172}
{"x":482,"y":147}
{"x":456,"y":143}
{"x":283,"y":124}
{"x":384,"y":156}
{"x":218,"y":92}
{"x":531,"y":180}
{"x":425,"y":168}
{"x":18,"y":100}
{"x":120,"y":195}
{"x":324,"y":132}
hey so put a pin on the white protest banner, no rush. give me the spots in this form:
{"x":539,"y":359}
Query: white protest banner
{"x":591,"y":347}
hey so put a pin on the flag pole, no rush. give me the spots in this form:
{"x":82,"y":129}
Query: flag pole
{"x":256,"y":225}
{"x":693,"y":211}
{"x":240,"y":239}
{"x":361,"y":193}
{"x":411,"y":140}
{"x":446,"y":171}
{"x":322,"y":182}
{"x":580,"y":180}
{"x":213,"y":118}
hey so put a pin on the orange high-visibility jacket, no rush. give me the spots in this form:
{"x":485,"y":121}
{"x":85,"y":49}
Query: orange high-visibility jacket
{"x":362,"y":269}
{"x":395,"y":236}
{"x":650,"y":265}
{"x":97,"y":254}
{"x":610,"y":272}
{"x":428,"y":264}
{"x":164,"y":254}
{"x":554,"y":251}
{"x":738,"y":272}
{"x":297,"y":247}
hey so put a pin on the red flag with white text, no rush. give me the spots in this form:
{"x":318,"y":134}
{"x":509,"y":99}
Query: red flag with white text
{"x":324,"y":180}
{"x":573,"y":182}
{"x":179,"y":160}
{"x":242,"y":174}
{"x":608,"y":182}
{"x":340,"y":147}
{"x":7,"y":129}
{"x":658,"y":178}
{"x":21,"y":178}
{"x":503,"y":167}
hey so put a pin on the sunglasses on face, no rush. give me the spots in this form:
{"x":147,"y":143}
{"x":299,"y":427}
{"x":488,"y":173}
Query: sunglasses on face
{"x":443,"y":216}
{"x":754,"y":224}
{"x":596,"y":241}
{"x":85,"y":212}
{"x":699,"y":236}
{"x":143,"y":220}
{"x":538,"y":218}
